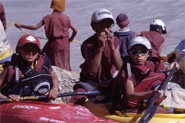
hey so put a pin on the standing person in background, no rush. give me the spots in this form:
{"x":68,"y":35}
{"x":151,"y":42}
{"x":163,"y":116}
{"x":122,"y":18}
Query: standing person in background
{"x":101,"y":54}
{"x":157,"y":28}
{"x":5,"y":48}
{"x":2,"y":16}
{"x":124,"y":34}
{"x":57,"y":27}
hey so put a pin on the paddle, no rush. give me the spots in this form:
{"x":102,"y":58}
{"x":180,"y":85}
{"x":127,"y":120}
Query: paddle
{"x":150,"y":111}
{"x":88,"y":94}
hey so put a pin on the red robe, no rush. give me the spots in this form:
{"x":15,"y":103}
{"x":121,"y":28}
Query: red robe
{"x":155,"y":39}
{"x":58,"y":46}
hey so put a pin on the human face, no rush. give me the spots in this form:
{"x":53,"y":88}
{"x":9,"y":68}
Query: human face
{"x":103,"y":25}
{"x":139,"y":54}
{"x":29,"y":52}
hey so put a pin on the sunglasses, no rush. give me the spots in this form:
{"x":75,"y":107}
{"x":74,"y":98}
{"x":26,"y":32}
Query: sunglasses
{"x":136,"y":52}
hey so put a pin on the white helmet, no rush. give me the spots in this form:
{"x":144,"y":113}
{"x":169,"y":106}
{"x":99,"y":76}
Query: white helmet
{"x":101,"y":14}
{"x":139,"y":40}
{"x":158,"y":24}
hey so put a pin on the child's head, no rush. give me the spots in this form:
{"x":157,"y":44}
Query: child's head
{"x":102,"y":19}
{"x":58,"y":5}
{"x":28,"y":47}
{"x":139,"y":49}
{"x":158,"y":25}
{"x":122,"y":20}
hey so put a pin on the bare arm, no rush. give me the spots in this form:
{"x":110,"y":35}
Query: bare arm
{"x":132,"y":96}
{"x":54,"y":91}
{"x":94,"y":59}
{"x":115,"y":50}
{"x":31,"y":27}
{"x":170,"y":67}
{"x":117,"y":58}
{"x":74,"y":29}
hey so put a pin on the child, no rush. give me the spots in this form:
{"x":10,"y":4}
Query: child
{"x":57,"y":25}
{"x":101,"y":54}
{"x":130,"y":91}
{"x":157,"y":28}
{"x":29,"y":72}
{"x":5,"y":48}
{"x":124,"y":34}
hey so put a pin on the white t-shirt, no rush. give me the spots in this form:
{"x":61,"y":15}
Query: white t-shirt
{"x":4,"y":44}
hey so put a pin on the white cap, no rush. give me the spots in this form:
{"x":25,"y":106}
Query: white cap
{"x":101,"y":14}
{"x":158,"y":24}
{"x":140,"y":40}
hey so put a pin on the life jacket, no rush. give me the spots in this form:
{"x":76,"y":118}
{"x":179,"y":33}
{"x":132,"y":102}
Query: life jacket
{"x":32,"y":82}
{"x":143,"y":79}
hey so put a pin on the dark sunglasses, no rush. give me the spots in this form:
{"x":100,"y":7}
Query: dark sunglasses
{"x":136,"y":52}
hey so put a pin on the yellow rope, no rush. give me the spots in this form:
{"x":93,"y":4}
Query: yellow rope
{"x":9,"y":25}
{"x":24,"y":31}
{"x":77,"y":41}
{"x":37,"y":36}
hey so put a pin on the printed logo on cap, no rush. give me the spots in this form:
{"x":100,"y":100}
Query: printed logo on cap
{"x":31,"y":38}
{"x":104,"y":12}
{"x":139,"y":39}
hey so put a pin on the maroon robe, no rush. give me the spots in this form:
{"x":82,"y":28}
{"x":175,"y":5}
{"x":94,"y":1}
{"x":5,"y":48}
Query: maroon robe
{"x":106,"y":68}
{"x":58,"y":46}
{"x":155,"y":39}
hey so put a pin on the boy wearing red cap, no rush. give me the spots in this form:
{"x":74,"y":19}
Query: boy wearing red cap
{"x":29,"y":72}
{"x":124,"y":34}
{"x":57,"y":25}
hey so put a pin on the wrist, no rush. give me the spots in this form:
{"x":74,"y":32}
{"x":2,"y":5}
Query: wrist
{"x":55,"y":89}
{"x":100,"y":49}
{"x":113,"y":49}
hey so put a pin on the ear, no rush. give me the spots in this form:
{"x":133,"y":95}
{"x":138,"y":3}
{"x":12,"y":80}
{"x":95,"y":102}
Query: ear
{"x":93,"y":25}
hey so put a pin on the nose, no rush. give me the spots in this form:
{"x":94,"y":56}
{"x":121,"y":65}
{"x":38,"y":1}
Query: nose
{"x":139,"y":54}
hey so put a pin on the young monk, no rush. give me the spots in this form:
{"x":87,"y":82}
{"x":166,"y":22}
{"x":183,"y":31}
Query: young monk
{"x":29,"y":72}
{"x":124,"y":34}
{"x":144,"y":79}
{"x":101,"y":54}
{"x":154,"y":35}
{"x":57,"y":27}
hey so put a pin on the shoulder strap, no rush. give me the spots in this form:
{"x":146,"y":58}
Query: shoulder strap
{"x":16,"y":60}
{"x":47,"y":62}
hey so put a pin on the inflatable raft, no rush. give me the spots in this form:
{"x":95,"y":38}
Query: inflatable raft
{"x":102,"y":110}
{"x":42,"y":112}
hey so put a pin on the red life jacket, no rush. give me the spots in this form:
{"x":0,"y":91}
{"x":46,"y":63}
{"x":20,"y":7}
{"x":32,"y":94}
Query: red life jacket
{"x":143,"y":79}
{"x":30,"y":82}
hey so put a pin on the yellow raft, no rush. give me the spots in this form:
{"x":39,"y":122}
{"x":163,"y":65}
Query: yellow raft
{"x":101,"y":110}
